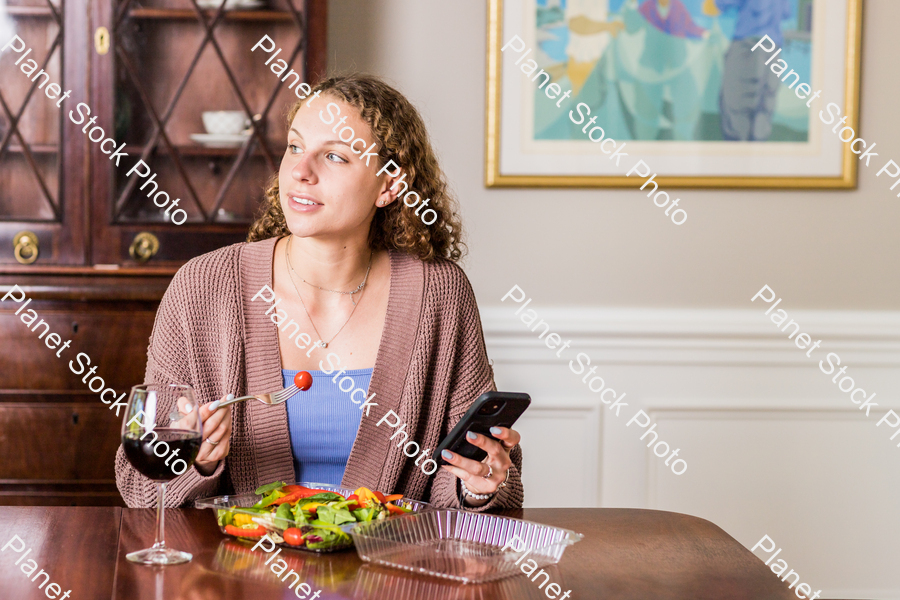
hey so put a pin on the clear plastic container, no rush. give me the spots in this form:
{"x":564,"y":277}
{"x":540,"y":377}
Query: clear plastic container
{"x":372,"y":580}
{"x":459,"y":545}
{"x":238,"y":561}
{"x":237,"y":502}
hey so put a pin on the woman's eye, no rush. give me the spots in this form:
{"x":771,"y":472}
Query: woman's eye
{"x":294,"y":149}
{"x":338,"y":158}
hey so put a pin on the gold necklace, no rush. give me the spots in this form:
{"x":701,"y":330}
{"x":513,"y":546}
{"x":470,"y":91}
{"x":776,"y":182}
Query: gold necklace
{"x":356,"y":291}
{"x":322,"y":343}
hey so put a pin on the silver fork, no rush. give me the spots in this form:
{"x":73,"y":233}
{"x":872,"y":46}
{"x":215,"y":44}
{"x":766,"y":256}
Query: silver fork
{"x":278,"y":397}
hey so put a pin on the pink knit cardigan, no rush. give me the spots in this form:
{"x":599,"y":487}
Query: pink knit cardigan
{"x":431,"y":365}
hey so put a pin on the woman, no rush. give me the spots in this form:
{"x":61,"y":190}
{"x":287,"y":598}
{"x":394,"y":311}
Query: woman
{"x":372,"y":290}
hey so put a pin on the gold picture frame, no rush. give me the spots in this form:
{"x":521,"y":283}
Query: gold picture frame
{"x":847,"y":178}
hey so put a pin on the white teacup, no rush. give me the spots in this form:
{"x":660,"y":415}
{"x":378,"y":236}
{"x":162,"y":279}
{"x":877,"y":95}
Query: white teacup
{"x":225,"y":122}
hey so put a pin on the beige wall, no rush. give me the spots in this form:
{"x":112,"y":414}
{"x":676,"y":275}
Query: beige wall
{"x":828,"y":250}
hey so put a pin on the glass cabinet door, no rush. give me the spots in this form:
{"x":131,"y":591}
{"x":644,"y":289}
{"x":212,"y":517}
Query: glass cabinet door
{"x":42,"y":174}
{"x":201,"y":117}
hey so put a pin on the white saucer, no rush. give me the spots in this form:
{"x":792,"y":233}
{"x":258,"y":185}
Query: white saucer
{"x":217,"y":140}
{"x":231,"y":4}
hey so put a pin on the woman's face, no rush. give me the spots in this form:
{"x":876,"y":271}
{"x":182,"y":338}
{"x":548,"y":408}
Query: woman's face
{"x":325,"y":189}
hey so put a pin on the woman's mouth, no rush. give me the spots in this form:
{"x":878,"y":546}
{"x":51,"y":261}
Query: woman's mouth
{"x":302,"y":203}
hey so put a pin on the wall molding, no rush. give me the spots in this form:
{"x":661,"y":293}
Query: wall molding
{"x":739,"y":337}
{"x":695,"y":370}
{"x":787,"y":411}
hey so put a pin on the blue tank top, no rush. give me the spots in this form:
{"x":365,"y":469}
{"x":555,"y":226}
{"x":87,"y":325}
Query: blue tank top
{"x":323,"y":422}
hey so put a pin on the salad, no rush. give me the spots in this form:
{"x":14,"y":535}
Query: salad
{"x":306,"y":517}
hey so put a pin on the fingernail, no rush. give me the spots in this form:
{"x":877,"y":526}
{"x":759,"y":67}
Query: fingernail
{"x":447,"y":454}
{"x":213,"y":406}
{"x":496,"y":430}
{"x":471,"y":435}
{"x":229,"y":397}
{"x":188,"y":407}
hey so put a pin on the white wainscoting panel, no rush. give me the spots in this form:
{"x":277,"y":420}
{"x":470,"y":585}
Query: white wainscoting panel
{"x":561,"y":446}
{"x":772,"y":446}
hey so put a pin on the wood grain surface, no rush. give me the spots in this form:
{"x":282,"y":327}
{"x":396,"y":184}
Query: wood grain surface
{"x":75,"y":545}
{"x":626,"y":554}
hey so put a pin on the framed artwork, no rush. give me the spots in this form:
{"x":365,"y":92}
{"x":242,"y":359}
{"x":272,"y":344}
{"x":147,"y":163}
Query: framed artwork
{"x":708,"y":93}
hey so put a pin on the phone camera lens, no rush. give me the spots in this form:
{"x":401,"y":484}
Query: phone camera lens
{"x":492,"y":408}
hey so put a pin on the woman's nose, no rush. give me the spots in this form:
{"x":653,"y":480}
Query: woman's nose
{"x":304,"y":169}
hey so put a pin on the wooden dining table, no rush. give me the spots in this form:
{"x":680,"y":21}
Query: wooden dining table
{"x":625,"y":554}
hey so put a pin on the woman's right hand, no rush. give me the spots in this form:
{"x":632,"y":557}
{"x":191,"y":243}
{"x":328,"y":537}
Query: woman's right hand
{"x":216,"y":428}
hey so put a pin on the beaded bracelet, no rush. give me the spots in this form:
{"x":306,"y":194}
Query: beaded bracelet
{"x":473,"y":495}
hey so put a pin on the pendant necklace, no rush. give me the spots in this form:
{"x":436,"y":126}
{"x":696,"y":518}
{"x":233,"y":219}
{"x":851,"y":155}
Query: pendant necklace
{"x":322,"y":343}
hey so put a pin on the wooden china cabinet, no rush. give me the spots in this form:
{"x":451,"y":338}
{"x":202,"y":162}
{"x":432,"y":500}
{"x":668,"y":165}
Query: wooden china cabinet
{"x":78,"y":235}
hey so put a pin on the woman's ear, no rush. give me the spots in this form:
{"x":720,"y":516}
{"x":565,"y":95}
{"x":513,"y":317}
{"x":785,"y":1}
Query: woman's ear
{"x":390,"y":190}
{"x":385,"y":198}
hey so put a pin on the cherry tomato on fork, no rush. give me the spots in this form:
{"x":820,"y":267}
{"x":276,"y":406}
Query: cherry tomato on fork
{"x":303,"y":380}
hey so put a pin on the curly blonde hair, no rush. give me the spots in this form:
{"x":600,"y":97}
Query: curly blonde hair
{"x":400,"y":130}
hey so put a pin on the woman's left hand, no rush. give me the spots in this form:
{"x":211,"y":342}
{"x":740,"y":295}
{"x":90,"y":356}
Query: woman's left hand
{"x":497,"y":464}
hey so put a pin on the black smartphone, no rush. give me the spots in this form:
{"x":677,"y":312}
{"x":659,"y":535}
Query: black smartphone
{"x":492,"y":409}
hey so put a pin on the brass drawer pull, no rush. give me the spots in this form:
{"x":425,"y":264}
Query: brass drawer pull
{"x":144,"y":246}
{"x":26,"y":247}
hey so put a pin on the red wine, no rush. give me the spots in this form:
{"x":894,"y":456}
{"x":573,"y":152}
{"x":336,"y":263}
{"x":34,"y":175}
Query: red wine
{"x":178,"y":447}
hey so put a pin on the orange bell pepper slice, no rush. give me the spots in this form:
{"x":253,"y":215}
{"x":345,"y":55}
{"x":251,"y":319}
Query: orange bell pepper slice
{"x":248,"y":533}
{"x":290,"y":498}
{"x":364,"y":496}
{"x":395,"y":509}
{"x":393,"y":497}
{"x":304,"y":492}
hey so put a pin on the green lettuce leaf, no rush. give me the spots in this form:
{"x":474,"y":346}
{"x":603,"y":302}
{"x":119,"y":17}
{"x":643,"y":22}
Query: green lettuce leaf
{"x":335,"y":516}
{"x":268,"y":500}
{"x":269,"y":487}
{"x":284,"y":518}
{"x":329,"y":539}
{"x":364,"y":514}
{"x":224,"y":517}
{"x":322,"y":497}
{"x":299,"y":518}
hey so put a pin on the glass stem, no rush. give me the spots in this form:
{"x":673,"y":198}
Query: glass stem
{"x":160,"y":516}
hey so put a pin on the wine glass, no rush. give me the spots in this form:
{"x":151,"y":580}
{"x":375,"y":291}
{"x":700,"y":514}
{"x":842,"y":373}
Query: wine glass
{"x":161,"y":436}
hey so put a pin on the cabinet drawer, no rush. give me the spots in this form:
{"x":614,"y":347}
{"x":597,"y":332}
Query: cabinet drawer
{"x":52,"y":499}
{"x":58,"y":441}
{"x":115,"y":341}
{"x":93,"y":494}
